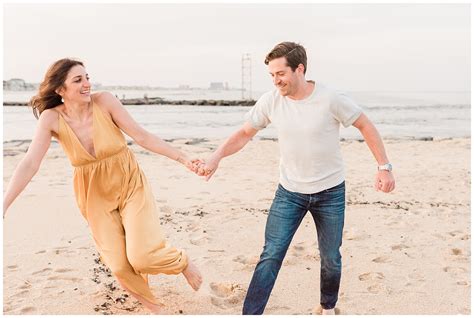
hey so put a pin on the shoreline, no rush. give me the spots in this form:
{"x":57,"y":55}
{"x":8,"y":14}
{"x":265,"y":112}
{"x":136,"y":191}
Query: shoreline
{"x":197,"y":141}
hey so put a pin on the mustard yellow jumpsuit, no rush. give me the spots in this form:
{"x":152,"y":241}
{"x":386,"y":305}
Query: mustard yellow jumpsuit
{"x":117,"y":202}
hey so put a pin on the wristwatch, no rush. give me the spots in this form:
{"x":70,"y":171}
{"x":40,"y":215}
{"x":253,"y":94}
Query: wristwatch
{"x":387,"y":167}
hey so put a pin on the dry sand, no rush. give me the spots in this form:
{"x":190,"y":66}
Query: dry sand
{"x":407,"y":252}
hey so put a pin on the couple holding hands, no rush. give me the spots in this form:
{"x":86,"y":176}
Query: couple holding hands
{"x":115,"y":198}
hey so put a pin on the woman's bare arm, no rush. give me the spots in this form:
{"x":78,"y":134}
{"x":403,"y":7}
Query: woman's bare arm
{"x":31,"y":162}
{"x":140,"y":135}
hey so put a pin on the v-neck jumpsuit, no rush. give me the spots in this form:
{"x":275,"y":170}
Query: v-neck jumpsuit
{"x":115,"y":198}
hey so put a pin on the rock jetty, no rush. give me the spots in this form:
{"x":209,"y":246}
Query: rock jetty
{"x":162,"y":101}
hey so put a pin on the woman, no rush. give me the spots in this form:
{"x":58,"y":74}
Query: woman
{"x":111,"y":190}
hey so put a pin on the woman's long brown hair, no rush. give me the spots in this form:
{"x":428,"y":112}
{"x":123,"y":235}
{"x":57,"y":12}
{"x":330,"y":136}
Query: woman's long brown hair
{"x":53,"y":80}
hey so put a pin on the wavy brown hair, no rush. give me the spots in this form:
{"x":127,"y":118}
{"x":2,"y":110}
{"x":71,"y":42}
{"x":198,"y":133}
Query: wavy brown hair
{"x":53,"y":80}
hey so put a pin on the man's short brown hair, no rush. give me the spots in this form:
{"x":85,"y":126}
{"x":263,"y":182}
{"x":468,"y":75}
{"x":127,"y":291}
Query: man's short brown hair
{"x":295,"y":54}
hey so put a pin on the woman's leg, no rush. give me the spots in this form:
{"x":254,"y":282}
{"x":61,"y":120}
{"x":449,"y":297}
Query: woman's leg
{"x":109,"y":237}
{"x":147,"y":249}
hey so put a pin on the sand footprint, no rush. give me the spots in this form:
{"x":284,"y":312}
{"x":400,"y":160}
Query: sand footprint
{"x":456,"y":251}
{"x":193,"y":226}
{"x":63,"y":270}
{"x":371,"y":276}
{"x":375,"y":289}
{"x":73,"y":279}
{"x":399,"y":247}
{"x":455,"y":233}
{"x":248,"y":262}
{"x":382,"y":259}
{"x":7,"y":308}
{"x":63,"y":250}
{"x":166,"y":209}
{"x":462,"y":283}
{"x":12,"y":267}
{"x":25,"y":285}
{"x":199,"y":239}
{"x":298,"y":249}
{"x":226,"y":295}
{"x":417,"y":276}
{"x":47,"y":269}
{"x":276,"y":310}
{"x":21,"y":294}
{"x":27,"y":310}
{"x":304,"y":250}
{"x":375,"y":279}
{"x":295,"y":253}
{"x":454,"y":270}
{"x":353,"y":234}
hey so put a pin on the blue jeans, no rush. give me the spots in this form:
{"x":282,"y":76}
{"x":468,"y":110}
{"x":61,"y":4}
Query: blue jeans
{"x":286,"y":213}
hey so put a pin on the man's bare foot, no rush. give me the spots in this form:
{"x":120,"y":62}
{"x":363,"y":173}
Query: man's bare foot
{"x":328,"y":312}
{"x":193,"y":276}
{"x":319,"y":310}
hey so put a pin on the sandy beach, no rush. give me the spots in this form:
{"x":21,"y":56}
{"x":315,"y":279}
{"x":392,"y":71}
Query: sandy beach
{"x":407,"y":252}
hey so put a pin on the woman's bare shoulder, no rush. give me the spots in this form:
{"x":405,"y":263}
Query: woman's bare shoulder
{"x":106,"y":102}
{"x":103,"y":97}
{"x":51,"y":113}
{"x":49,"y":119}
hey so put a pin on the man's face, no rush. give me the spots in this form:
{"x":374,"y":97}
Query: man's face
{"x":283,"y":77}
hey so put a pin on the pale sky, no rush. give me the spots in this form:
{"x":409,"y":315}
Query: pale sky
{"x":356,"y":47}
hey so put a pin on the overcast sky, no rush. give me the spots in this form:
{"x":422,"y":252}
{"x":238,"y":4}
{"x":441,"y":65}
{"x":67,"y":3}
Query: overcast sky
{"x":370,"y":47}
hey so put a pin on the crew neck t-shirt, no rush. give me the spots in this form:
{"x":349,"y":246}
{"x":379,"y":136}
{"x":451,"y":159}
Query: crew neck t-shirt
{"x":308,"y":135}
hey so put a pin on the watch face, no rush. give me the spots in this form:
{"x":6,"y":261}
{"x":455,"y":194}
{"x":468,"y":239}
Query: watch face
{"x":387,"y":167}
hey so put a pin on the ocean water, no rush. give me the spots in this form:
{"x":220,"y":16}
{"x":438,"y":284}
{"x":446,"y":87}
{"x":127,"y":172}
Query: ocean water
{"x":397,"y":115}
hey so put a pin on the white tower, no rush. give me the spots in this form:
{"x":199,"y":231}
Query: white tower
{"x":246,"y":76}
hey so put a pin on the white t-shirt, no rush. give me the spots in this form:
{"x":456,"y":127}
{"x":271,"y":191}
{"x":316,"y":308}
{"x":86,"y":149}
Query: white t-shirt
{"x":308,"y":134}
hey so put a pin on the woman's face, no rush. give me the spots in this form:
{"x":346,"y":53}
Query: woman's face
{"x":76,"y":88}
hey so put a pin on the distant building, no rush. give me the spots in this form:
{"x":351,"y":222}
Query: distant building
{"x":216,"y":86}
{"x":17,"y":84}
{"x":184,"y":86}
{"x":97,"y":86}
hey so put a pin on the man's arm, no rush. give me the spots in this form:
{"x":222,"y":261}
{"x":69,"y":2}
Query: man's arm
{"x":384,"y":179}
{"x":232,"y":145}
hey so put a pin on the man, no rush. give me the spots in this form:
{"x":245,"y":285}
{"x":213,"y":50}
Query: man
{"x":307,"y":116}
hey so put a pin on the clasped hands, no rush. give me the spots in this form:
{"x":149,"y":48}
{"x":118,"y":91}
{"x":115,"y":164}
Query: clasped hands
{"x":203,"y":167}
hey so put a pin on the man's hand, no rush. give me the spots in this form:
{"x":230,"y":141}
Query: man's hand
{"x":384,"y":181}
{"x":208,"y":167}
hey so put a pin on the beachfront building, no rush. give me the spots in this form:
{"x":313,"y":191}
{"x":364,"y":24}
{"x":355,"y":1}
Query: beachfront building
{"x":219,"y":86}
{"x":17,"y":84}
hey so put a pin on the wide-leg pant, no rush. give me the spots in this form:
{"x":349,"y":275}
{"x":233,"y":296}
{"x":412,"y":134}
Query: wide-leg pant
{"x":131,"y":243}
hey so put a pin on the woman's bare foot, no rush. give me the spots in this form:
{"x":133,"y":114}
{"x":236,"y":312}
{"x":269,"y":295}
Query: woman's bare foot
{"x":154,"y":308}
{"x":193,"y":276}
{"x":157,"y":309}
